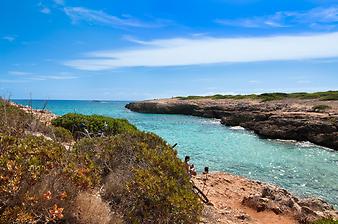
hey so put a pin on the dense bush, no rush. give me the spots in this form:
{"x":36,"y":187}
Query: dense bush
{"x":96,"y":125}
{"x":126,"y":177}
{"x":34,"y":184}
{"x":62,"y":135}
{"x":143,"y":178}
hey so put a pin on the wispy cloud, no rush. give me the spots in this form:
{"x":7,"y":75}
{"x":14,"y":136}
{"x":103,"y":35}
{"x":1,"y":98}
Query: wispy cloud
{"x":78,"y":14}
{"x":41,"y":77}
{"x":59,"y":2}
{"x":9,"y":38}
{"x":316,"y":18}
{"x":19,"y":73}
{"x":52,"y":77}
{"x":12,"y":81}
{"x":209,"y":50}
{"x":43,"y":9}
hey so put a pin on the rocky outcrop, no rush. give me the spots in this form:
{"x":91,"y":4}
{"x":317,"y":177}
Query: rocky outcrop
{"x":237,"y":200}
{"x":280,"y":201}
{"x":289,"y":120}
{"x":300,"y":127}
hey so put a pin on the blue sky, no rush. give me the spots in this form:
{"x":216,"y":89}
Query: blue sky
{"x":140,"y":49}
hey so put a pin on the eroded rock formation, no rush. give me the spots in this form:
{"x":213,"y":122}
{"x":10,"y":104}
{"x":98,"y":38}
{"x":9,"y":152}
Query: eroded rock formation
{"x":283,"y":119}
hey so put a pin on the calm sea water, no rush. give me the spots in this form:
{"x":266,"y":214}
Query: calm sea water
{"x":302,"y":168}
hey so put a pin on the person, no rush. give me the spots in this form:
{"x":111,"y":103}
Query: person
{"x":193,"y":170}
{"x":186,"y":164}
{"x":190,"y":168}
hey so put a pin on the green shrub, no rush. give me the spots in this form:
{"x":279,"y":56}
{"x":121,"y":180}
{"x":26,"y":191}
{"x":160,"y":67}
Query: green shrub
{"x":138,"y":174}
{"x":62,"y":135}
{"x":321,"y":107}
{"x":328,"y":95}
{"x":31,"y":167}
{"x":272,"y":96}
{"x":23,"y":165}
{"x":326,"y":221}
{"x":190,"y":97}
{"x":94,"y":124}
{"x":144,"y":177}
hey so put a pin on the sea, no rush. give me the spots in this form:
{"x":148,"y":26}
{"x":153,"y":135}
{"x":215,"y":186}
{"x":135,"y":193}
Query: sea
{"x":300,"y":167}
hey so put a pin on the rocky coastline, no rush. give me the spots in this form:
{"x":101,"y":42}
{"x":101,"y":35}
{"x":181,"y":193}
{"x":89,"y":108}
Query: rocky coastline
{"x":290,"y":119}
{"x":236,"y":199}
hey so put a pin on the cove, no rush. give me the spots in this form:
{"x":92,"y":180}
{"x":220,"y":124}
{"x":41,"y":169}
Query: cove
{"x":302,"y":168}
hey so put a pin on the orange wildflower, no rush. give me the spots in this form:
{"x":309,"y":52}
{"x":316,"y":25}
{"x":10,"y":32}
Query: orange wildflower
{"x":63,"y":195}
{"x":56,"y":212}
{"x":47,"y":195}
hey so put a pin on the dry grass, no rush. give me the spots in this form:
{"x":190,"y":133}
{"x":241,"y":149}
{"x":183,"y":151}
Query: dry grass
{"x":88,"y":208}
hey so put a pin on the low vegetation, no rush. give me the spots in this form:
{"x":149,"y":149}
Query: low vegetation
{"x":62,"y":135}
{"x":328,"y":95}
{"x":326,"y":221}
{"x":125,"y":176}
{"x":80,"y":125}
{"x":321,"y":108}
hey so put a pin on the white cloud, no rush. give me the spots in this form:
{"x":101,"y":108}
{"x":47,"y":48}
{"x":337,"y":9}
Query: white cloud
{"x":209,"y":50}
{"x":19,"y":73}
{"x":52,"y":77}
{"x":9,"y":38}
{"x":316,"y":18}
{"x":45,"y":10}
{"x":99,"y":17}
{"x":11,"y":81}
{"x":39,"y":77}
{"x":59,"y":2}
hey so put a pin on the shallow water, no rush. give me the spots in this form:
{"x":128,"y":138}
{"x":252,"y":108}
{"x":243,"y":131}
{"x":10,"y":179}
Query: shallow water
{"x":302,"y":168}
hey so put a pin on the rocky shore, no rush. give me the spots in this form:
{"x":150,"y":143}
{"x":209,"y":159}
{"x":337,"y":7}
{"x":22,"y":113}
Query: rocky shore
{"x":238,"y":200}
{"x":44,"y":116}
{"x":289,"y":119}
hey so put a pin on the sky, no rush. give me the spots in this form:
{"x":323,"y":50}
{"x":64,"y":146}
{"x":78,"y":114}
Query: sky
{"x":145,"y":49}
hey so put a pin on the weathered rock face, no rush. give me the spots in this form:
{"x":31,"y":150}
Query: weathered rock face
{"x":300,"y":127}
{"x":280,"y":201}
{"x":156,"y":108}
{"x":276,"y":120}
{"x":237,"y":200}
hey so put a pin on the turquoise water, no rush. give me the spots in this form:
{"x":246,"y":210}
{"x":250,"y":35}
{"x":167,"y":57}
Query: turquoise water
{"x":304,"y":169}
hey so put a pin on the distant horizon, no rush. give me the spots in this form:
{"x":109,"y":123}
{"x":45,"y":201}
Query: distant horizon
{"x":128,"y":100}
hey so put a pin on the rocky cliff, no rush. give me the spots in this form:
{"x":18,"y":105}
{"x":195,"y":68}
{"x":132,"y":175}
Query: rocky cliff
{"x":291,"y":119}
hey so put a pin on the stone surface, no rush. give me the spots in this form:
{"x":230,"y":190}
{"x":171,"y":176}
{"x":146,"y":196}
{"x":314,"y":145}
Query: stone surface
{"x":282,"y":119}
{"x":239,"y":200}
